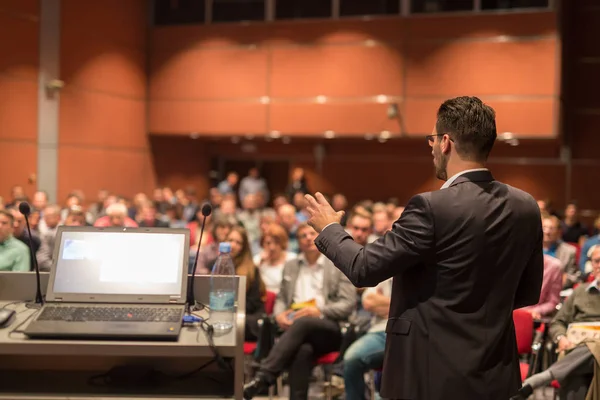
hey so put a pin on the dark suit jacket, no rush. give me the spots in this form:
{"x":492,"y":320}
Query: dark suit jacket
{"x":462,"y":259}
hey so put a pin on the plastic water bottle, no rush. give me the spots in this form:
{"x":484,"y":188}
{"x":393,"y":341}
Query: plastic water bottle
{"x":222,"y":291}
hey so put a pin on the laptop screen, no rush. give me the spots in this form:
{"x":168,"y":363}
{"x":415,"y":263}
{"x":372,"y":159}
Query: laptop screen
{"x":120,"y":263}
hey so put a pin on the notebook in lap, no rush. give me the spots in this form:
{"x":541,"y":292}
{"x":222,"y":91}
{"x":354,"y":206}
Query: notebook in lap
{"x":115,"y":283}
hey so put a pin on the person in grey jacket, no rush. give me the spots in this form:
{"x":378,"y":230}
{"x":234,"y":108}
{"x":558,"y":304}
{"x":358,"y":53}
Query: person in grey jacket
{"x":311,"y":330}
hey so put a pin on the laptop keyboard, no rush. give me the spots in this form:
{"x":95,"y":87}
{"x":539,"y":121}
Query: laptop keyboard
{"x":111,"y":314}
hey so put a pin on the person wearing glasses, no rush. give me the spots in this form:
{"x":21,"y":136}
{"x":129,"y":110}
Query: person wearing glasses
{"x":462,"y":258}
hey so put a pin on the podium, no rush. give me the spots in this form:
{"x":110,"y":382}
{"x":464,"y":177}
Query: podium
{"x":77,"y":369}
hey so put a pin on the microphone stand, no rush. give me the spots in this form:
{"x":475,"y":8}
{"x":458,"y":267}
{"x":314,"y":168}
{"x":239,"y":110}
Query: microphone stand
{"x":191,"y":297}
{"x":38,"y":293}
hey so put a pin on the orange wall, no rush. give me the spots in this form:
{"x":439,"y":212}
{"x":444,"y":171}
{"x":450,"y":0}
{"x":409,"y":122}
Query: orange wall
{"x":211,"y":79}
{"x":18,"y":84}
{"x":103,"y":141}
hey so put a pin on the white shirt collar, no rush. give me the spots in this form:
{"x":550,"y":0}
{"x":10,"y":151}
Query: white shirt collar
{"x":593,"y":284}
{"x":304,"y":261}
{"x":453,"y":178}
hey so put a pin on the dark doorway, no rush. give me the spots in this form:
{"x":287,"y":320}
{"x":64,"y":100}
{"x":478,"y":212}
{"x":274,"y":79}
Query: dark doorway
{"x":276,"y":173}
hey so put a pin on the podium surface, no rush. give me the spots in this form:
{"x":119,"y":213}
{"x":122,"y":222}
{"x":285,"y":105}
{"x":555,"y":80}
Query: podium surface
{"x":77,"y":369}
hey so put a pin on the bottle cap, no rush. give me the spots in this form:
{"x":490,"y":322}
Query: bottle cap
{"x":224,"y":247}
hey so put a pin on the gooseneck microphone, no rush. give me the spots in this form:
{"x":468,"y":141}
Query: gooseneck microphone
{"x":206,"y":211}
{"x":25,"y":209}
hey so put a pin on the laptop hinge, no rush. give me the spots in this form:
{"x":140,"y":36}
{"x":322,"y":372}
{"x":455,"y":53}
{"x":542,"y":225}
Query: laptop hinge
{"x":173,"y":299}
{"x":58,"y":299}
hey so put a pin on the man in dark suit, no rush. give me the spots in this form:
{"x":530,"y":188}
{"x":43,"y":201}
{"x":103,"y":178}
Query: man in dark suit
{"x":462,"y":258}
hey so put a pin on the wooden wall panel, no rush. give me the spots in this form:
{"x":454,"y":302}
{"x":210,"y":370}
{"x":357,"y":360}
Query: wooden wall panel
{"x":89,"y":119}
{"x":18,"y":109}
{"x":338,"y":71}
{"x":586,"y":30}
{"x":90,"y":169}
{"x":19,"y":65}
{"x":210,"y":74}
{"x":482,"y":68}
{"x":19,"y":58}
{"x":108,"y":21}
{"x":103,"y":142}
{"x":585,"y":137}
{"x":586,"y":87}
{"x":584,"y":185}
{"x":314,"y":119}
{"x":28,"y":9}
{"x":17,"y":163}
{"x":223,"y":117}
{"x":414,"y":59}
{"x":104,"y":68}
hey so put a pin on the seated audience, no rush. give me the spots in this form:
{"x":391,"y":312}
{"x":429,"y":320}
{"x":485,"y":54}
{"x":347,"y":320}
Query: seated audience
{"x":220,"y":229}
{"x":20,"y":231}
{"x":297,"y":185}
{"x":229,"y":185}
{"x":584,"y":255}
{"x":116,"y":216}
{"x":309,"y":331}
{"x":287,"y":219}
{"x":555,"y":247}
{"x":255,"y":288}
{"x":573,"y":231}
{"x":583,"y":305}
{"x":273,"y":256}
{"x":551,"y":288}
{"x":367,"y":352}
{"x":45,"y":253}
{"x":253,"y":184}
{"x":14,"y":254}
{"x":147,"y":217}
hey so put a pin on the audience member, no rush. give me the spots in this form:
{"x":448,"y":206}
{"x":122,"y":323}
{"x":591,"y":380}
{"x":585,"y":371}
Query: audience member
{"x":583,"y":305}
{"x":45,"y":253}
{"x":253,"y":184}
{"x":14,"y":254}
{"x":297,"y":184}
{"x":273,"y":256}
{"x":20,"y":231}
{"x":255,"y":288}
{"x":221,"y":227}
{"x":147,"y":216}
{"x":287,"y":219}
{"x":309,"y":331}
{"x":551,"y":288}
{"x":367,"y":352}
{"x":573,"y":231}
{"x":229,"y":185}
{"x":555,"y":247}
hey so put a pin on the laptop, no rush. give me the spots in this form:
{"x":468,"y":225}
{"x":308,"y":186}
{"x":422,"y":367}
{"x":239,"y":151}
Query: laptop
{"x":115,"y":283}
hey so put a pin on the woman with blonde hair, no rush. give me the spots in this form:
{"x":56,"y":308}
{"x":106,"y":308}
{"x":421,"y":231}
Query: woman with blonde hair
{"x":274,"y":255}
{"x":255,"y":288}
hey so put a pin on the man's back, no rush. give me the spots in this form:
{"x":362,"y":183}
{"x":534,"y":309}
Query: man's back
{"x":461,"y":298}
{"x":462,"y":259}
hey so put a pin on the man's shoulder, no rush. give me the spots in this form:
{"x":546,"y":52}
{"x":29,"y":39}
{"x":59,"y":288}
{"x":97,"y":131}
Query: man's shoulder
{"x":567,"y":248}
{"x":18,"y":245}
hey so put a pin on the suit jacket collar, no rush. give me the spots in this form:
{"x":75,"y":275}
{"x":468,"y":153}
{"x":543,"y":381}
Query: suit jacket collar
{"x":475,"y":175}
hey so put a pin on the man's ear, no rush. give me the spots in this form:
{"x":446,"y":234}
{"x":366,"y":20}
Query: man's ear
{"x":446,"y":144}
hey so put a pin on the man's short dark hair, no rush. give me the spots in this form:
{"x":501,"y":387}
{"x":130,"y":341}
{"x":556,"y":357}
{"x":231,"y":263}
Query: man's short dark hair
{"x":8,"y":215}
{"x":471,"y":125}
